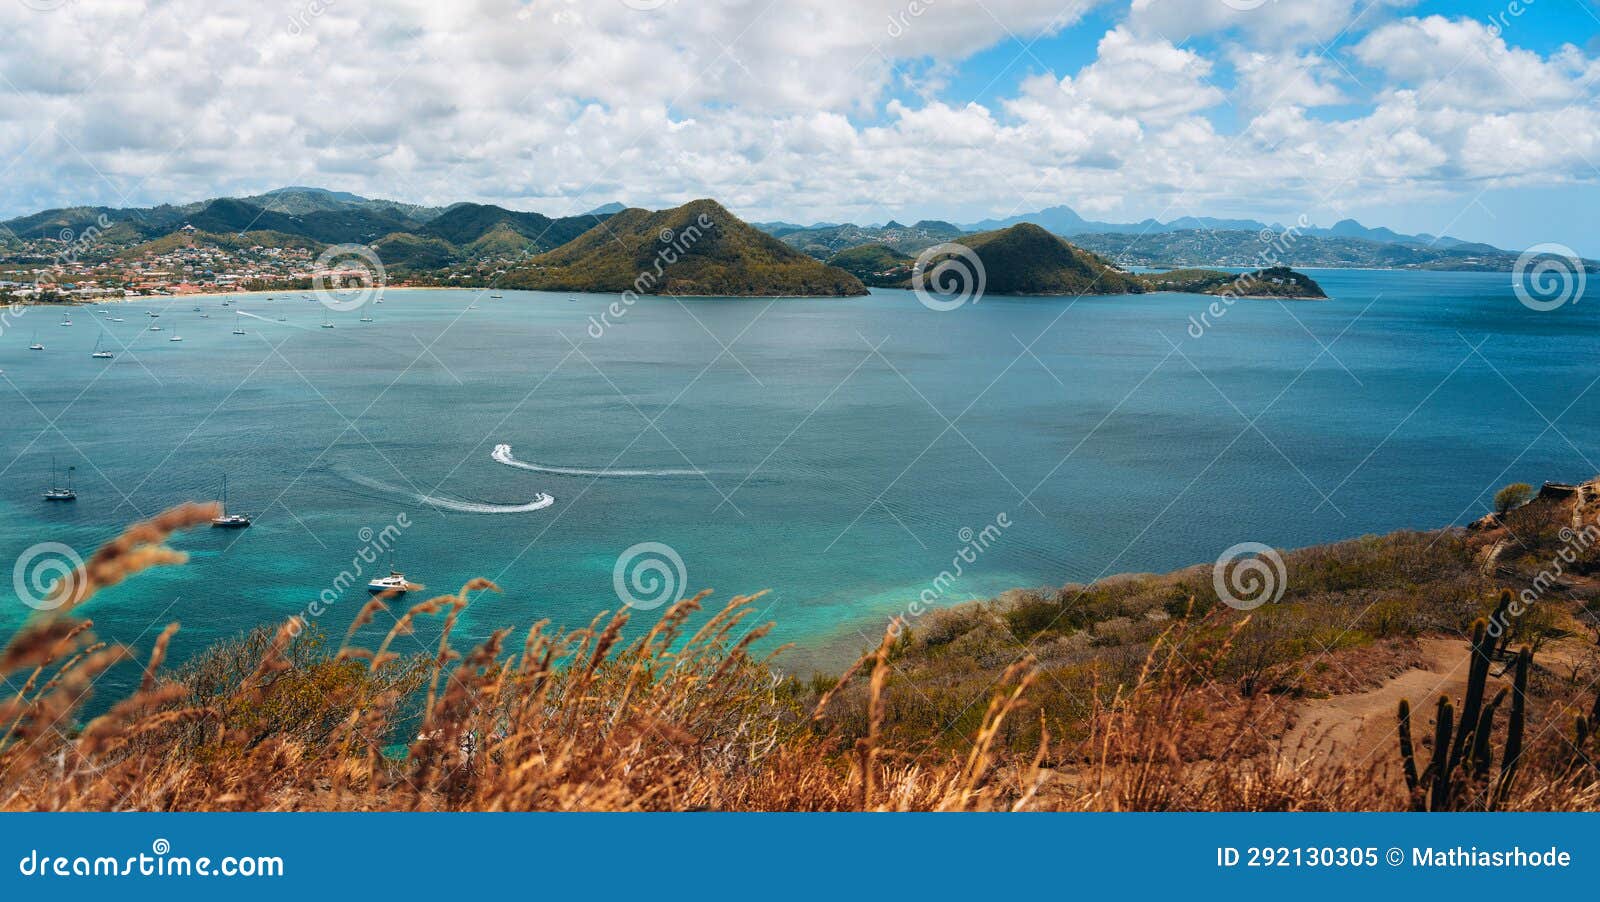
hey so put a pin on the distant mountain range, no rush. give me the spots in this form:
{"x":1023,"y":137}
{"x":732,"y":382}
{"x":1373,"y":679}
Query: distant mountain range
{"x":1065,"y":221}
{"x":471,"y":243}
{"x":406,"y":235}
{"x":1186,"y":241}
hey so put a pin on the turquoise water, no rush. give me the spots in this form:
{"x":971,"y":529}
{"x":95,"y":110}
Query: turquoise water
{"x":840,"y":479}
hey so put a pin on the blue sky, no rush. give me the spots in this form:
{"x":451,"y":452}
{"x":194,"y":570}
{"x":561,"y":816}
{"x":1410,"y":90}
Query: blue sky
{"x":1458,"y":117}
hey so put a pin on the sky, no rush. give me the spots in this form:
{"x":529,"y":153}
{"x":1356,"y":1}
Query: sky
{"x":1479,"y":120}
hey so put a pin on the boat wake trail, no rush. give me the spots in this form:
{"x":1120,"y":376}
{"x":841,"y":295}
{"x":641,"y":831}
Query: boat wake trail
{"x":502,"y":454}
{"x":539,"y":502}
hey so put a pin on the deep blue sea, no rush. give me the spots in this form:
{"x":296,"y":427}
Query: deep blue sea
{"x":843,"y":447}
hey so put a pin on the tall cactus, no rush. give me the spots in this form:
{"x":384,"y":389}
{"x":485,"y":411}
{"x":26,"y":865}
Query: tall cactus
{"x":1519,"y":719}
{"x":1477,"y":678}
{"x":1407,"y":752}
{"x":1460,"y":772}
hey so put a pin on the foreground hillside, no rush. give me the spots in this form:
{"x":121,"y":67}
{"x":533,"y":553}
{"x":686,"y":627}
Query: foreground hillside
{"x":696,"y":249}
{"x":1135,"y":693}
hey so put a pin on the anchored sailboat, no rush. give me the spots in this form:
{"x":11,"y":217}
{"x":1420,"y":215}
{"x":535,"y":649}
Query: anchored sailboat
{"x":57,"y":492}
{"x":225,"y":520}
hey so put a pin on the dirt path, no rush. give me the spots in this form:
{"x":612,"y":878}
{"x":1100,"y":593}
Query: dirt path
{"x":1361,"y":728}
{"x":1363,"y":724}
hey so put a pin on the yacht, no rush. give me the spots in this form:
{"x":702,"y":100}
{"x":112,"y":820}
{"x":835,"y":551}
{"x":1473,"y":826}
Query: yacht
{"x":327,"y":324}
{"x":155,"y":328}
{"x":238,"y":328}
{"x":366,"y":319}
{"x":66,"y":319}
{"x":100,"y":353}
{"x":225,"y":520}
{"x":197,"y":308}
{"x":116,"y":319}
{"x":395,"y":582}
{"x":175,"y":337}
{"x":496,"y":296}
{"x":36,"y":346}
{"x":151,"y":313}
{"x":57,"y":492}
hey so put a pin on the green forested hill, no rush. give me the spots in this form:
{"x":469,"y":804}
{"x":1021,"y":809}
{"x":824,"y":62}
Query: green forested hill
{"x":696,"y":249}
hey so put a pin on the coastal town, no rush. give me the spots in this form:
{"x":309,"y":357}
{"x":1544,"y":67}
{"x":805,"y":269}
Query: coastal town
{"x":81,"y":268}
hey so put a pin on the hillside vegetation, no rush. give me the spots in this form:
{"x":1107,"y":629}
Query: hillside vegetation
{"x":1024,"y":259}
{"x":696,"y":249}
{"x":1273,"y":282}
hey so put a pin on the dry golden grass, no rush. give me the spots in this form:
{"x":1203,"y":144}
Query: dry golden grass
{"x":680,"y":718}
